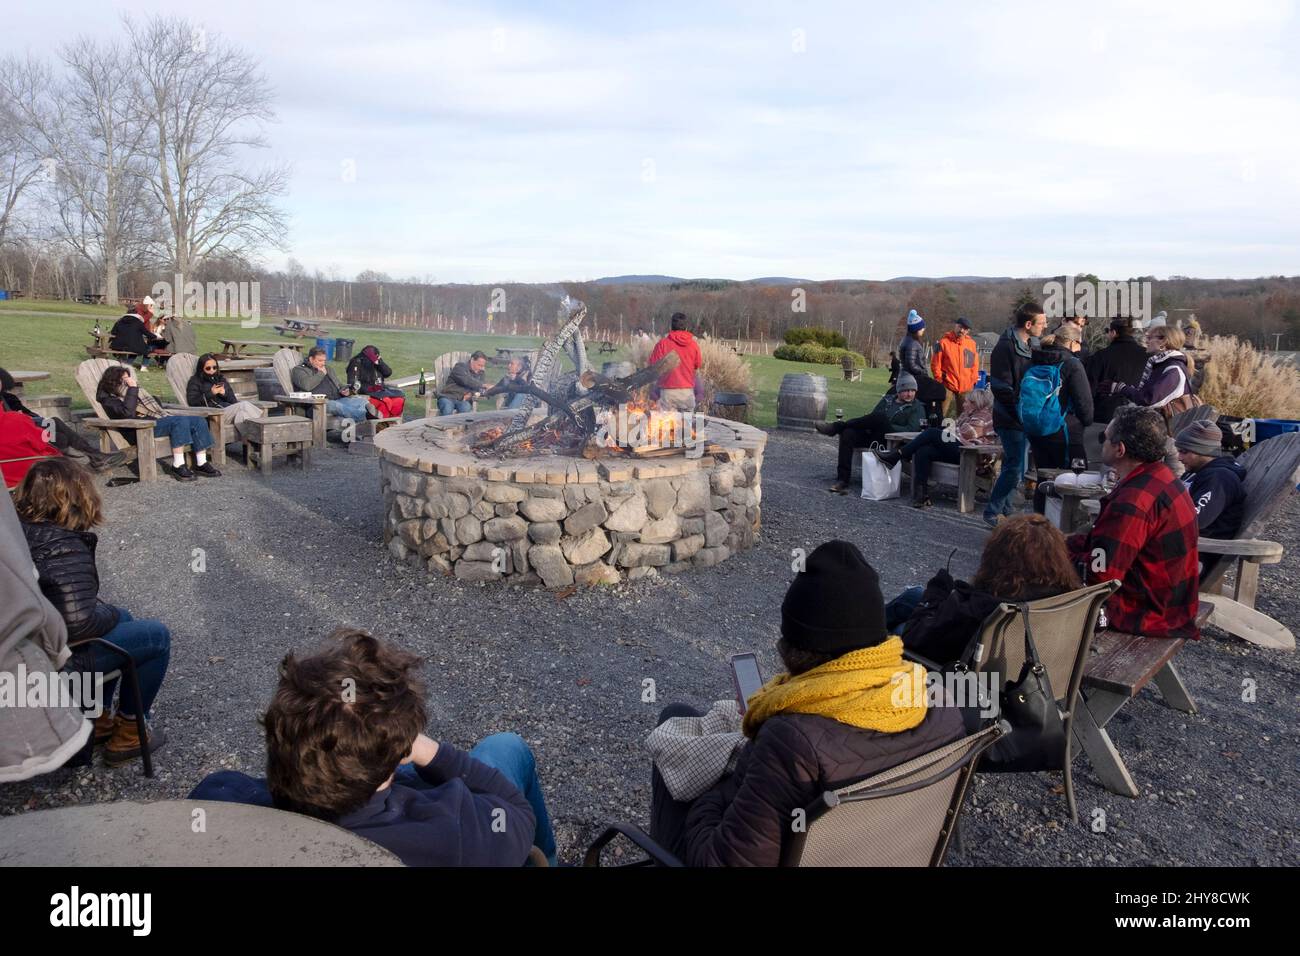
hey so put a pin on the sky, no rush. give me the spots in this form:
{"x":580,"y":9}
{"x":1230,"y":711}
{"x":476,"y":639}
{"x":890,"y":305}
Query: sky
{"x":536,"y":142}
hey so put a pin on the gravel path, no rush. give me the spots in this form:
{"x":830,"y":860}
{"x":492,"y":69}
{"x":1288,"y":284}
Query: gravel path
{"x":290,"y":558}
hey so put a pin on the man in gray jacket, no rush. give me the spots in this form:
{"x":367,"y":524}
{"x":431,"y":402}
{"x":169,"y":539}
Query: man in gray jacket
{"x":314,"y":376}
{"x":33,"y":646}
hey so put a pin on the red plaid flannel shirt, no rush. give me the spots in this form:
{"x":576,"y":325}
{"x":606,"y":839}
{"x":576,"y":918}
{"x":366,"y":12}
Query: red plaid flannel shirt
{"x":1145,"y":537}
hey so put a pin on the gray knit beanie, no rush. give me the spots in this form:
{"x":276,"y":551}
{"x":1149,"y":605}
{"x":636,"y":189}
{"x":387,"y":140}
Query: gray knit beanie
{"x":1200,"y":438}
{"x":906,"y":381}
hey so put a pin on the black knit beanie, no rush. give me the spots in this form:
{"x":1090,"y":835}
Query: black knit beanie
{"x":834,"y":604}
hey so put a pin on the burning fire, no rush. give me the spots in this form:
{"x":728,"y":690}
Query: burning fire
{"x":639,"y":425}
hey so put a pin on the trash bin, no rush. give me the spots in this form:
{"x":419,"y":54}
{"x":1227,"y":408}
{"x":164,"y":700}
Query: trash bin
{"x":983,"y":381}
{"x":343,"y":349}
{"x":328,"y":346}
{"x":1266,"y":428}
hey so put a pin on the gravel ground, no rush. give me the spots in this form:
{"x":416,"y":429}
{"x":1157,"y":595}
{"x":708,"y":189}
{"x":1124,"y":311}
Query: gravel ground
{"x":291,"y":557}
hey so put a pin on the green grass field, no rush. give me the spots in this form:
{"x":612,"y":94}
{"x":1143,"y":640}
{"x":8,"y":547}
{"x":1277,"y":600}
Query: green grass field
{"x":51,"y":337}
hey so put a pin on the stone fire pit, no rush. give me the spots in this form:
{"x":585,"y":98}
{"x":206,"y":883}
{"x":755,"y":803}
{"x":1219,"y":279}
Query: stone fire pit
{"x":559,"y":520}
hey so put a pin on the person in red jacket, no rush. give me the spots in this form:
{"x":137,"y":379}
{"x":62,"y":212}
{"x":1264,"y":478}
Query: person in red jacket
{"x":22,"y":444}
{"x":677,"y":387}
{"x":1146,"y":534}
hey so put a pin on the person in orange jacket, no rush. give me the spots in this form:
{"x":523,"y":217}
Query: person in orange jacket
{"x":956,"y":366}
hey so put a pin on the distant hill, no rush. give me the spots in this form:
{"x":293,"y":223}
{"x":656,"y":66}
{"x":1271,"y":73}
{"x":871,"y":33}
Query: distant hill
{"x":951,"y":279}
{"x":638,"y":280}
{"x":674,"y":280}
{"x":784,"y":280}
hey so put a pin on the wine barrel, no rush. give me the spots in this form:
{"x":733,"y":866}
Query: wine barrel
{"x":268,"y":385}
{"x":618,"y":369}
{"x":733,"y":406}
{"x":801,"y":402}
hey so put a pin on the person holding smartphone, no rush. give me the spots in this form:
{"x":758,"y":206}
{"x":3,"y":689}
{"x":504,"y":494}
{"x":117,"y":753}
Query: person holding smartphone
{"x":122,"y":397}
{"x":831,"y":719}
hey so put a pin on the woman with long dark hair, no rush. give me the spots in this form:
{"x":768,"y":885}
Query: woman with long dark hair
{"x":58,"y":505}
{"x":122,"y":397}
{"x":208,"y":388}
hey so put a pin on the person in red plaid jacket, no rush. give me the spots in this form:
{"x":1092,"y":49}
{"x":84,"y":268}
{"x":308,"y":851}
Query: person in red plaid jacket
{"x":1145,"y":535}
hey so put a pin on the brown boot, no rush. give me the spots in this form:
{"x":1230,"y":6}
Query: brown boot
{"x":104,"y":725}
{"x":124,"y":745}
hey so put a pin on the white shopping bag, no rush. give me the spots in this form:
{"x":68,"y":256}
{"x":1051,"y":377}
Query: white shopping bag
{"x":879,"y":482}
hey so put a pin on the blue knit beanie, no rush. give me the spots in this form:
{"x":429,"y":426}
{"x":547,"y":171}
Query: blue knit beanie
{"x":914,"y":321}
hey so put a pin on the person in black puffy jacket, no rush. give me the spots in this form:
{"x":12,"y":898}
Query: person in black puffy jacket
{"x":1024,"y":559}
{"x":58,"y":505}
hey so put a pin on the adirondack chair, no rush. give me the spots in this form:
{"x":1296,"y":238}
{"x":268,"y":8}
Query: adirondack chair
{"x":284,"y":362}
{"x":148,"y":447}
{"x":180,"y":369}
{"x":1272,"y":471}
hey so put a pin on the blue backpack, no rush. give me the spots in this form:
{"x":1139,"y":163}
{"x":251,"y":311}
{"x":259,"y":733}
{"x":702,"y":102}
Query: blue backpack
{"x":1041,"y":411}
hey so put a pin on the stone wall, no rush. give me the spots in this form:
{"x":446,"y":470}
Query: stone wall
{"x":586,"y":533}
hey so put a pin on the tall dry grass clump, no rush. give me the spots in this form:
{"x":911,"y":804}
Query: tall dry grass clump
{"x":1250,"y":384}
{"x":723,"y":371}
{"x":639,"y":349}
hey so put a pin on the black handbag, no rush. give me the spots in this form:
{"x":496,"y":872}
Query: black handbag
{"x":1037,"y":738}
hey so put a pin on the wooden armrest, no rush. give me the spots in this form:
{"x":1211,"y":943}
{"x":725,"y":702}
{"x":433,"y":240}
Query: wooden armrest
{"x":288,"y":400}
{"x":128,"y":423}
{"x":1262,"y":552}
{"x":262,"y":404}
{"x":193,"y":409}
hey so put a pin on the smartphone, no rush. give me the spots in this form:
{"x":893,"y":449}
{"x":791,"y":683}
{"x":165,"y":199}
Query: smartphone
{"x":746,"y":677}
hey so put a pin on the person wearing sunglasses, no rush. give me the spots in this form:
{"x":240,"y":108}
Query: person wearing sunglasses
{"x":208,"y":388}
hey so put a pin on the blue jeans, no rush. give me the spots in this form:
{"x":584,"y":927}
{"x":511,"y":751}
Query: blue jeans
{"x":517,"y":400}
{"x":182,"y":430}
{"x":353,"y":407}
{"x":150,"y":646}
{"x":508,"y":754}
{"x":449,"y":406}
{"x":1015,"y":452}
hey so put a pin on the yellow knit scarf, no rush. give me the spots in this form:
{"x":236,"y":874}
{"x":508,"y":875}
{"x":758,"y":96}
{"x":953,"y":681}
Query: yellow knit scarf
{"x":871,"y":688}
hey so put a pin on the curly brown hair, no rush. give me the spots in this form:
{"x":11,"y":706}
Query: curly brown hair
{"x":340,"y":723}
{"x":59,"y":491}
{"x":1025,"y":558}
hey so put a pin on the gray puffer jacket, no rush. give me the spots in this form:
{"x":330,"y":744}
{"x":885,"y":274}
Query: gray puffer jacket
{"x":34,"y":640}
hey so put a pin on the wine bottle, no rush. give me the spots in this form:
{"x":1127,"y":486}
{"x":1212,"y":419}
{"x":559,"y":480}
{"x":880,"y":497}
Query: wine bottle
{"x":423,"y":386}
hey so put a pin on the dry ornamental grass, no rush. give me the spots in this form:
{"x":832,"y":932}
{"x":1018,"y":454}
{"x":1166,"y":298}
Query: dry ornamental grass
{"x":1247,"y":383}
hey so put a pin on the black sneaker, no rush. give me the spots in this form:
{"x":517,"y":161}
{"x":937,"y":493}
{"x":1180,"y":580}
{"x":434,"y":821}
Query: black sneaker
{"x":923,"y":502}
{"x":183,"y":473}
{"x":206,"y":470}
{"x":102,"y":462}
{"x":839,"y":488}
{"x":888,"y":458}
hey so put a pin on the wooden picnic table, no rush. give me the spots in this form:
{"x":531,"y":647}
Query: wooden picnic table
{"x":26,"y":375}
{"x":180,"y":833}
{"x":299,"y":329}
{"x":237,"y":348}
{"x":966,"y":468}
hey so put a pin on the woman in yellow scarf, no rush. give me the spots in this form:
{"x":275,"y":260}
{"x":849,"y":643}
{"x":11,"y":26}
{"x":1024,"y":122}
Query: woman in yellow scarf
{"x":847,"y":707}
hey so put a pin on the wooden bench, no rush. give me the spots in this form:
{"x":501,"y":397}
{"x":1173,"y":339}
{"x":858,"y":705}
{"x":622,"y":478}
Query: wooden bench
{"x":604,"y":347}
{"x":964,"y":476}
{"x":1119,"y":667}
{"x":299,"y":329}
{"x":1272,"y":471}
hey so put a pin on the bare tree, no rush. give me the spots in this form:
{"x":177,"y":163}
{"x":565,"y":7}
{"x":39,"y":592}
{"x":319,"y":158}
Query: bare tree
{"x":88,"y":123}
{"x":20,"y":163}
{"x":206,"y":105}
